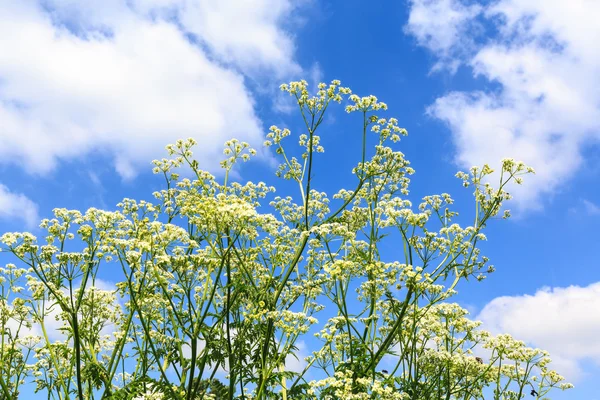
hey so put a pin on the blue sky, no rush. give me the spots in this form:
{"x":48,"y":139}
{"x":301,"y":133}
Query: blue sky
{"x":91,"y":92}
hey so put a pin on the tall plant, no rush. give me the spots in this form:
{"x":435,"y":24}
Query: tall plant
{"x":218,"y":292}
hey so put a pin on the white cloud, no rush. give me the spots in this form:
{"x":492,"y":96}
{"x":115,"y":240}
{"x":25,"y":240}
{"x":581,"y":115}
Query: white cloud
{"x":591,"y":208}
{"x":543,"y":62}
{"x":440,"y":25}
{"x":585,"y":207}
{"x":563,"y":321}
{"x":54,"y":324}
{"x":124,"y":77}
{"x":246,"y":33}
{"x":53,"y":319}
{"x":295,"y":362}
{"x":18,"y":206}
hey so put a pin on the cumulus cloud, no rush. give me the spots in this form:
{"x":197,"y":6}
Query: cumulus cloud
{"x":441,"y":26}
{"x":560,"y":320}
{"x":128,"y":77}
{"x":543,"y":66}
{"x":18,"y":206}
{"x":246,"y":33}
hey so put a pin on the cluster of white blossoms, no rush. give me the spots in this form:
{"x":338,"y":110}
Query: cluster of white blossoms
{"x":219,"y":280}
{"x":342,"y":385}
{"x":316,"y":104}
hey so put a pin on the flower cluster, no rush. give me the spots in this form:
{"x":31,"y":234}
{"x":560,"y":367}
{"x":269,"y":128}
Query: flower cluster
{"x":218,"y":279}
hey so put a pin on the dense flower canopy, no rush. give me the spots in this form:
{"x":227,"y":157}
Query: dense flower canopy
{"x":222,"y":281}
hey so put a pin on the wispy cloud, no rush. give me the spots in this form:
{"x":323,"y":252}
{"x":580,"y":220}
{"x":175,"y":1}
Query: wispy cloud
{"x":543,"y":60}
{"x":591,"y":208}
{"x":585,"y":207}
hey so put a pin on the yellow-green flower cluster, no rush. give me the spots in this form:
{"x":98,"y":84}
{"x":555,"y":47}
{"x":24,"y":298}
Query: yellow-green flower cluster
{"x":216,"y":276}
